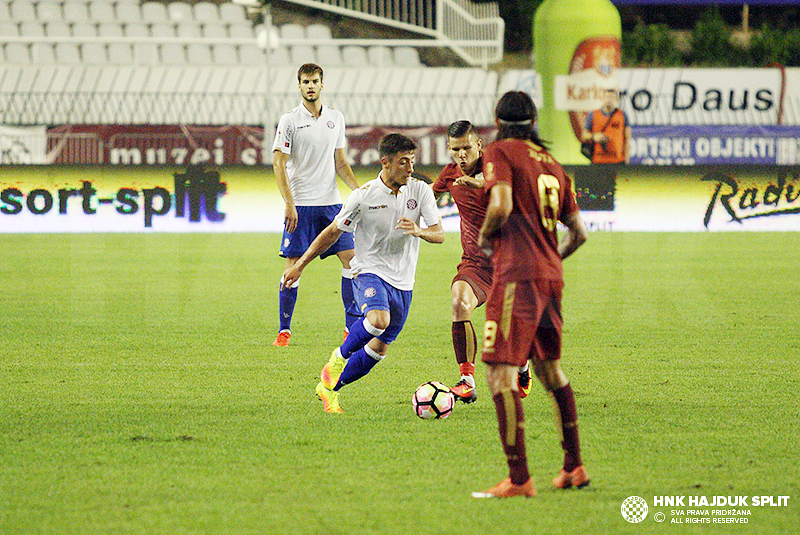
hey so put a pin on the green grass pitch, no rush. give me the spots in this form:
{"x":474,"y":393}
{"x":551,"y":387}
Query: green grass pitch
{"x":140,"y":393}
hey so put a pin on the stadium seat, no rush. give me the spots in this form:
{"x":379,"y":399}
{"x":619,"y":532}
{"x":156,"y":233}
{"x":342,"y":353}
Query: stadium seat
{"x":22,"y":10}
{"x":292,"y":32}
{"x":198,"y":54}
{"x":173,"y":54}
{"x":279,"y":57}
{"x":318,"y":31}
{"x":84,"y":29}
{"x":162,"y":29}
{"x":120,"y":53}
{"x":225,"y":54}
{"x":9,"y":29}
{"x":251,"y":55}
{"x":67,"y":53}
{"x":213,"y":30}
{"x":189,"y":29}
{"x":206,"y":12}
{"x":355,"y":56}
{"x":128,"y":12}
{"x":380,"y":56}
{"x":43,"y":53}
{"x":405,"y":56}
{"x":57,"y":29}
{"x":302,"y":54}
{"x":100,"y":11}
{"x":180,"y":12}
{"x":145,"y":53}
{"x":18,"y":53}
{"x":154,"y":12}
{"x":136,"y":29}
{"x":94,"y":53}
{"x":5,"y":16}
{"x":75,"y":11}
{"x":110,"y":29}
{"x":329,"y":56}
{"x":49,"y":10}
{"x":241,"y":30}
{"x":31,"y":28}
{"x":231,"y":13}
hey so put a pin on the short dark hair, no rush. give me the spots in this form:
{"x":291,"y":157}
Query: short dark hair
{"x":309,"y":69}
{"x":516,"y":115}
{"x":392,"y":144}
{"x":460,"y":129}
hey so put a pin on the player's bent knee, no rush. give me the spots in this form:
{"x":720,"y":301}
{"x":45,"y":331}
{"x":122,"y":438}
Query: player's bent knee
{"x":379,"y":318}
{"x":550,"y":374}
{"x":501,"y":377}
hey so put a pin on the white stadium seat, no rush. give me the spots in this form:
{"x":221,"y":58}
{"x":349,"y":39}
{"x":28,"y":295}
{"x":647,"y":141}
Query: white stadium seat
{"x":224,"y":54}
{"x":22,"y":10}
{"x":206,"y":12}
{"x":75,"y":11}
{"x":154,"y":12}
{"x":355,"y":56}
{"x":214,"y":30}
{"x":67,"y":53}
{"x":49,"y":10}
{"x":162,"y":29}
{"x":136,"y":29}
{"x":279,"y":57}
{"x":9,"y":29}
{"x":173,"y":54}
{"x":188,"y":29}
{"x":94,"y":53}
{"x":120,"y":53}
{"x":101,"y":11}
{"x":84,"y":29}
{"x":302,"y":54}
{"x":145,"y":53}
{"x":180,"y":12}
{"x":31,"y":28}
{"x":231,"y":13}
{"x":43,"y":53}
{"x":380,"y":56}
{"x":17,"y":53}
{"x":57,"y":29}
{"x":405,"y":56}
{"x":128,"y":12}
{"x":318,"y":31}
{"x":251,"y":55}
{"x":110,"y":29}
{"x":291,"y":32}
{"x":199,"y":54}
{"x":241,"y":30}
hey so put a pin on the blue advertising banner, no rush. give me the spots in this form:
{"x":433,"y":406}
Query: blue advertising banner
{"x":715,"y":145}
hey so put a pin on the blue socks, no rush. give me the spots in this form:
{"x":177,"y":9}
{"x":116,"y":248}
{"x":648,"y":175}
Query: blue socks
{"x":287,"y":298}
{"x":361,"y":332}
{"x":358,"y":365}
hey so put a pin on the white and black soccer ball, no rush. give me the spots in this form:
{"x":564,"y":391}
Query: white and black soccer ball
{"x":433,"y":400}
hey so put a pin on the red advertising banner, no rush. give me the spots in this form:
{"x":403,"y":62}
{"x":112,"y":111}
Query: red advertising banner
{"x":131,"y":145}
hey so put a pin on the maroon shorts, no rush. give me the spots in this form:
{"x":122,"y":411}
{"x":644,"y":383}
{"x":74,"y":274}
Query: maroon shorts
{"x":523,"y":320}
{"x":478,"y":277}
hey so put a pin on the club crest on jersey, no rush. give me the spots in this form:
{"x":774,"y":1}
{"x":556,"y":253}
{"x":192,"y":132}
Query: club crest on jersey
{"x":370,"y":292}
{"x":411,"y":204}
{"x":331,"y":125}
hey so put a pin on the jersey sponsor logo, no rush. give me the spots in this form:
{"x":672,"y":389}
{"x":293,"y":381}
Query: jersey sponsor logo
{"x":370,"y":292}
{"x":381,"y":207}
{"x":331,"y":125}
{"x":346,"y":222}
{"x":411,"y":204}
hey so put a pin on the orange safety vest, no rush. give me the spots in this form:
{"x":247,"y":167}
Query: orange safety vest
{"x":614,"y":151}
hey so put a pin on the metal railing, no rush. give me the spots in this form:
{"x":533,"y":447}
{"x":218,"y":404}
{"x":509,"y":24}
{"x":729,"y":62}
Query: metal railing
{"x":473,"y":31}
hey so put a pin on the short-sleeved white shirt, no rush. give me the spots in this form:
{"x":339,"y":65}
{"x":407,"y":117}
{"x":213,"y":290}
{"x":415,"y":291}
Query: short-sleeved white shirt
{"x":310,"y":144}
{"x":371,"y":212}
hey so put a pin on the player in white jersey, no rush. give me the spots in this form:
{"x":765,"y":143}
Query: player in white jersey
{"x":384,"y":215}
{"x":308,"y":151}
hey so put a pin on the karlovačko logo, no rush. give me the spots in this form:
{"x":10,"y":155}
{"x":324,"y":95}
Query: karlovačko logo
{"x":634,"y":509}
{"x":198,"y":188}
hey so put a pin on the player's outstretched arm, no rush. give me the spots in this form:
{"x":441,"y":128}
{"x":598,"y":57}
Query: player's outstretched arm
{"x":321,"y":244}
{"x":575,"y":236}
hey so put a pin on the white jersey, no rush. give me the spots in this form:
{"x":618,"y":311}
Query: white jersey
{"x":310,"y":144}
{"x":371,"y":212}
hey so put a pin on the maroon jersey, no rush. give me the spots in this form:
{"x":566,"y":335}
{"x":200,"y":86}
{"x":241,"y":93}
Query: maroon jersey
{"x":471,"y":203}
{"x":526,"y":247}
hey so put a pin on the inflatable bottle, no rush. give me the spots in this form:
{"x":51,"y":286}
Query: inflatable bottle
{"x":577,"y":48}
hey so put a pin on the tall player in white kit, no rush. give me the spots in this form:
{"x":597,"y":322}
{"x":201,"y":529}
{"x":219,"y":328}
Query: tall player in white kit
{"x":308,"y":151}
{"x":384,"y":216}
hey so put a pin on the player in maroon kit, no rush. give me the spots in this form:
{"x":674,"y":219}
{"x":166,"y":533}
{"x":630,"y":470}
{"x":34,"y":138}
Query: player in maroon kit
{"x":464,"y":180}
{"x":528,"y":195}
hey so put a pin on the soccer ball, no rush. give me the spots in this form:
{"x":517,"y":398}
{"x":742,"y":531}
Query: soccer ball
{"x":432,"y":400}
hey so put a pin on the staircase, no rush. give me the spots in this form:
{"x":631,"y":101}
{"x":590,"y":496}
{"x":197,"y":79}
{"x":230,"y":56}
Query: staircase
{"x":472,"y":31}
